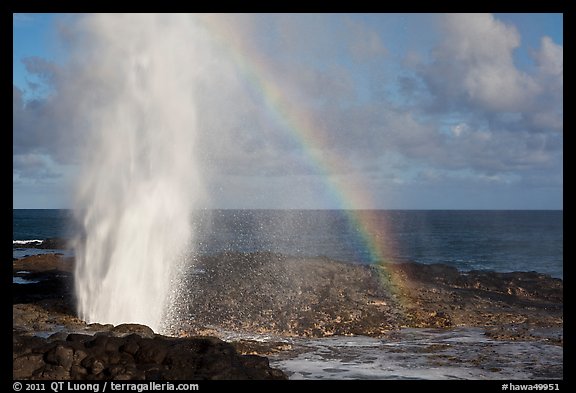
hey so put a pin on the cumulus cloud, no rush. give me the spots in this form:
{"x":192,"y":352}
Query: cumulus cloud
{"x":34,"y":144}
{"x":550,"y":58}
{"x":45,"y":124}
{"x":547,"y":114}
{"x":473,"y":70}
{"x":34,"y":167}
{"x":489,"y":116}
{"x":474,"y":65}
{"x":463,"y":109}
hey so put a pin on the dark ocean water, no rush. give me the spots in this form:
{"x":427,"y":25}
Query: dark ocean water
{"x":510,"y":240}
{"x":40,"y":224}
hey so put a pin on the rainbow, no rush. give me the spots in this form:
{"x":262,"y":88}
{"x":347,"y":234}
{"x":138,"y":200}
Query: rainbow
{"x":310,"y":137}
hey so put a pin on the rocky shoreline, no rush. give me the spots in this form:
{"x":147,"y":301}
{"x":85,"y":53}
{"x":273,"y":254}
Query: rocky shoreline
{"x":133,"y":356}
{"x":49,"y":342}
{"x":280,"y":295}
{"x":318,"y":297}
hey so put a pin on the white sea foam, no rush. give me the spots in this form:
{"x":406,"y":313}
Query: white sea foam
{"x":24,"y":242}
{"x":462,"y":353}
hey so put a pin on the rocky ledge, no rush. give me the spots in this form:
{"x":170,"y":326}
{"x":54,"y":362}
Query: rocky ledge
{"x":107,"y":355}
{"x":268,"y":293}
{"x":49,"y":342}
{"x":318,"y":297}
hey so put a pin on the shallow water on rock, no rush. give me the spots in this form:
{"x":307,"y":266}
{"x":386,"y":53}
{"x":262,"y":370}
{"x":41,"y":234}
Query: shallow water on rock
{"x":22,"y":252}
{"x":23,"y":281}
{"x":463,"y":353}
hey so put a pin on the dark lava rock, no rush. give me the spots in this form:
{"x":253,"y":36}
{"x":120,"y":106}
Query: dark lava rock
{"x":134,"y":357}
{"x":132,"y":328}
{"x":123,"y":352}
{"x":52,"y":284}
{"x":303,"y":297}
{"x":268,"y":293}
{"x":321,"y":297}
{"x":42,"y":263}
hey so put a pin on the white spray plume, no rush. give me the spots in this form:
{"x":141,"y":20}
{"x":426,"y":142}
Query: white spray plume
{"x":139,"y":180}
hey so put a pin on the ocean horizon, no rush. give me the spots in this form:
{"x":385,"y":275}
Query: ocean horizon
{"x":499,"y":240}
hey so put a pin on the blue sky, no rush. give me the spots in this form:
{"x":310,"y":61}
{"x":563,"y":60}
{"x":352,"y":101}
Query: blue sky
{"x":428,"y":111}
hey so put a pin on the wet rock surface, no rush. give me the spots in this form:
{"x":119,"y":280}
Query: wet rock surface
{"x":420,"y":353}
{"x":49,"y":342}
{"x":269,"y":294}
{"x":106,"y":355}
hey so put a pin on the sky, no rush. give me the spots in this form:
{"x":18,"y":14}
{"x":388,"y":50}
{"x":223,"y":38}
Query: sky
{"x":321,"y":111}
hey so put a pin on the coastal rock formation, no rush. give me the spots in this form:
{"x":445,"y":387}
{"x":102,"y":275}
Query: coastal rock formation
{"x":316,"y":297}
{"x":43,"y":304}
{"x":267,"y":293}
{"x":108,"y":356}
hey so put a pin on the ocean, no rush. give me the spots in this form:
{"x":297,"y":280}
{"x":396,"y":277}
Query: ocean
{"x":499,"y":240}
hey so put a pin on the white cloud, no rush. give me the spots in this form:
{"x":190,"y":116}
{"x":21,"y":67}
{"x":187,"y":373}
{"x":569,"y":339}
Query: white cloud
{"x":459,"y":129}
{"x":464,"y":108}
{"x":550,"y":58}
{"x":34,"y":166}
{"x":547,"y":113}
{"x":474,"y":65}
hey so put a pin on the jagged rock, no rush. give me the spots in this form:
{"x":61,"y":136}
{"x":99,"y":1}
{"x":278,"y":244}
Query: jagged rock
{"x":130,"y":328}
{"x":268,"y":293}
{"x":107,"y":357}
{"x":25,"y":366}
{"x":320,"y":297}
{"x":60,"y":356}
